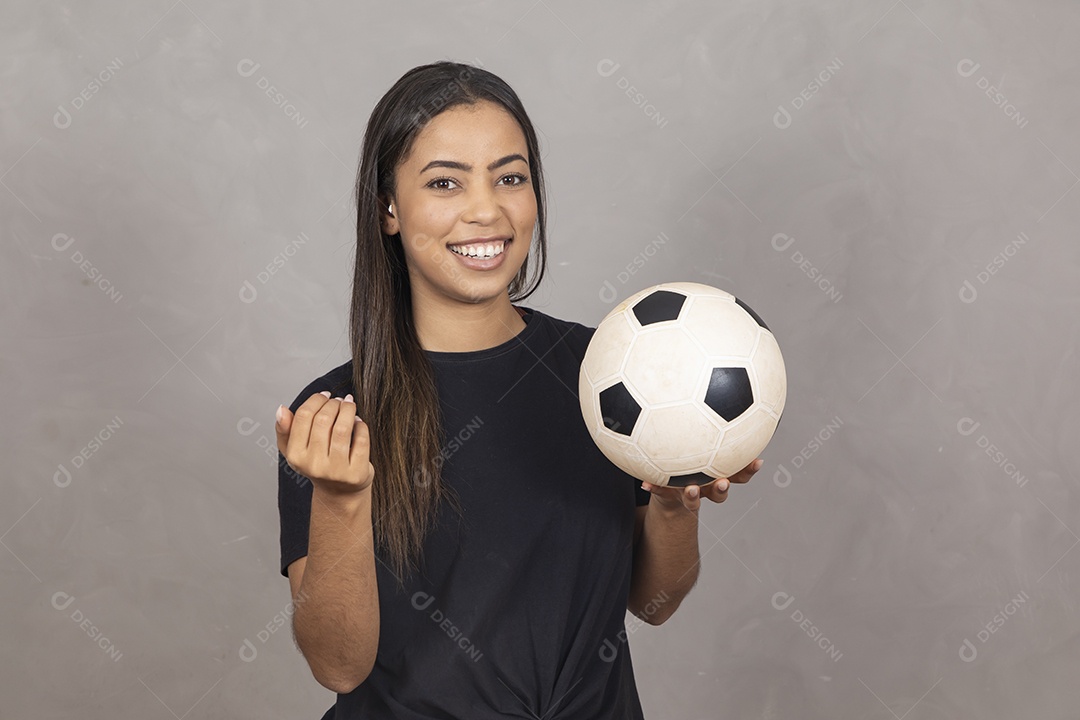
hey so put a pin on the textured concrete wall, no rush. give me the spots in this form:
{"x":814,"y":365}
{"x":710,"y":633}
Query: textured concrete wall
{"x":891,"y":185}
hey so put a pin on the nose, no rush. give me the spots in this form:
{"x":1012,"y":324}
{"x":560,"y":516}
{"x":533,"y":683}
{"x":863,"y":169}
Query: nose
{"x":482,"y":206}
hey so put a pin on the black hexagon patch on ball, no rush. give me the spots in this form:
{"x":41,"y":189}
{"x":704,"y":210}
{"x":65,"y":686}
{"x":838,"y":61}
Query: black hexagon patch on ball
{"x":699,"y":478}
{"x":729,"y":393}
{"x":619,"y":409}
{"x":660,"y":306}
{"x":751,"y":313}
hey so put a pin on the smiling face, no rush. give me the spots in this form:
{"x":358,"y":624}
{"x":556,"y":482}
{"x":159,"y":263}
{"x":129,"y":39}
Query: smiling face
{"x":466,"y":178}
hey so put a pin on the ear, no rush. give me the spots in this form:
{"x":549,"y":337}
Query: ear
{"x":389,"y":222}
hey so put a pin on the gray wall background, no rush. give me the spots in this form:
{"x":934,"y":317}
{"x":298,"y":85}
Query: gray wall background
{"x":891,"y":185}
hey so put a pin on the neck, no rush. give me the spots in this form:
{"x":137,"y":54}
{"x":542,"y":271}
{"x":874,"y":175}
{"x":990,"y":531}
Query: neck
{"x":459,"y":327}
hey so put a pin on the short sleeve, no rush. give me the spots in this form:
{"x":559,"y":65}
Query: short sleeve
{"x":641,"y":496}
{"x":294,"y":511}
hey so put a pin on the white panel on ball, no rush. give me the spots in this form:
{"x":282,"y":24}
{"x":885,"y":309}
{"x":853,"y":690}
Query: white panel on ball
{"x":607,"y":360}
{"x":720,"y":326}
{"x":677,"y":438}
{"x":650,"y":371}
{"x":769,"y":366}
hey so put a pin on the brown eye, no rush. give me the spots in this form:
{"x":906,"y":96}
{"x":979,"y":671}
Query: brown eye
{"x":433,"y":183}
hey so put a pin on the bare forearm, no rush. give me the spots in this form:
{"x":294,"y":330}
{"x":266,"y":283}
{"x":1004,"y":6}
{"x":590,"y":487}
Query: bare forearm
{"x":665,"y":562}
{"x":336,"y":622}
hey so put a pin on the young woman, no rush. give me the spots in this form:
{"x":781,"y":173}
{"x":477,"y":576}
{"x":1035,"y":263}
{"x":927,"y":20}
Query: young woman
{"x":465,"y":550}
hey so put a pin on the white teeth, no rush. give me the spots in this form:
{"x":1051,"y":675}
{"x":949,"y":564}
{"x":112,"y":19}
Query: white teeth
{"x":481,"y":251}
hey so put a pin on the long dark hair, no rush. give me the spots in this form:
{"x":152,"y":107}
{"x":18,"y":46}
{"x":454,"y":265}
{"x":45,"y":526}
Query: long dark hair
{"x":393,"y":378}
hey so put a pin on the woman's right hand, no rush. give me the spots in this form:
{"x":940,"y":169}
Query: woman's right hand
{"x":328,"y":443}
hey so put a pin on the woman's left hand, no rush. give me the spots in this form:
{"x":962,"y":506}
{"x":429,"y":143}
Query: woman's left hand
{"x":690,"y":496}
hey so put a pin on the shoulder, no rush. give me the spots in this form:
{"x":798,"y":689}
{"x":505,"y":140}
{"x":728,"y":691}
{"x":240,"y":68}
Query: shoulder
{"x":338,"y":381}
{"x":574,"y":335}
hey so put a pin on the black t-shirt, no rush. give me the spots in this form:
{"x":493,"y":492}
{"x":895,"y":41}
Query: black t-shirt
{"x":519,"y":609}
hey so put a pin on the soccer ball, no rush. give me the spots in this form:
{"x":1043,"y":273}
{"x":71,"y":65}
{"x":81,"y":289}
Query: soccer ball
{"x":682,"y":383}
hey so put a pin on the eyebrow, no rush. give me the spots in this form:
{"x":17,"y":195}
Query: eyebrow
{"x":454,"y":165}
